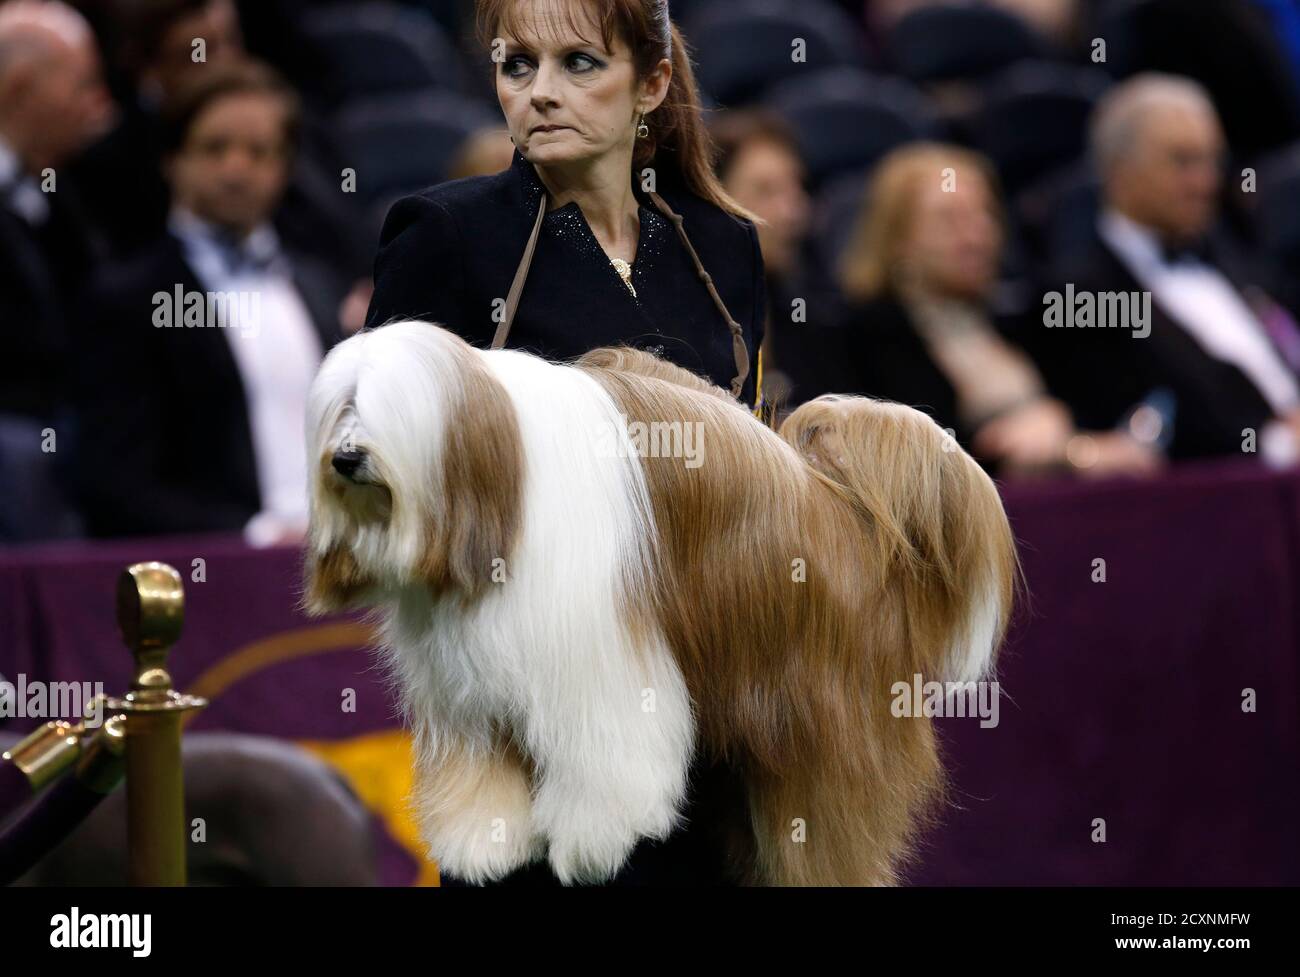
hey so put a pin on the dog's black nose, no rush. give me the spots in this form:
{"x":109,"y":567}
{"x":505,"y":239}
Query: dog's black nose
{"x":346,"y":463}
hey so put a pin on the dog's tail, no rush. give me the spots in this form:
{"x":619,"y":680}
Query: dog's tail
{"x":936,"y":517}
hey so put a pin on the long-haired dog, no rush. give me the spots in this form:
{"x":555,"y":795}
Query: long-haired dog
{"x":572,"y":611}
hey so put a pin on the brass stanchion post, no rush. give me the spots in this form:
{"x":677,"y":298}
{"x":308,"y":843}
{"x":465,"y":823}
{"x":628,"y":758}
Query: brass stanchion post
{"x":150,"y":613}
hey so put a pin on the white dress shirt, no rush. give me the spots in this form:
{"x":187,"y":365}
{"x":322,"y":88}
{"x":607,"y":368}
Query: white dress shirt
{"x":1199,"y":298}
{"x":277,"y":354}
{"x":19,"y":190}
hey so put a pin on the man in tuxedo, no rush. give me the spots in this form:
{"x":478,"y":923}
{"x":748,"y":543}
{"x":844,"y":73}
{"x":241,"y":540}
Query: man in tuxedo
{"x":159,"y":54}
{"x":202,"y":349}
{"x":52,"y":102}
{"x":1218,"y":368}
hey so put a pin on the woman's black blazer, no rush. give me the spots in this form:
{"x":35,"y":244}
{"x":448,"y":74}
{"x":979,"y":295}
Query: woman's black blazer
{"x":448,"y":255}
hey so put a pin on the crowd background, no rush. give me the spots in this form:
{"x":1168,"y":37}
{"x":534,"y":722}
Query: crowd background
{"x":929,"y":174}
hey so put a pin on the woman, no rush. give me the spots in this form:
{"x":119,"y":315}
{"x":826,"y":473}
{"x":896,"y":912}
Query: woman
{"x":918,"y":279}
{"x":575,"y":245}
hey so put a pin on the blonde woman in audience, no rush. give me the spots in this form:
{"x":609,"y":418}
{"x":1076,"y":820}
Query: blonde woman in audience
{"x":919,"y":276}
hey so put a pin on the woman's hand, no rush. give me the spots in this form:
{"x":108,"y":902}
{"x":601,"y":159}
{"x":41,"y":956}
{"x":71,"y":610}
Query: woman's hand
{"x":1041,"y":435}
{"x":1104,"y":453}
{"x":1028,"y":438}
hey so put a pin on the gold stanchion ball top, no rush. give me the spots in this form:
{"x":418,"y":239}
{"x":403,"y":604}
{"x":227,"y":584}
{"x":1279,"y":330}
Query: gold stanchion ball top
{"x":150,"y":613}
{"x":150,"y":607}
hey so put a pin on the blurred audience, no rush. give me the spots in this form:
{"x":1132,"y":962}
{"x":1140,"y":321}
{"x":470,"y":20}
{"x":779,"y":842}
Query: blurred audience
{"x":52,"y":102}
{"x":192,"y":406}
{"x":1220,"y":353}
{"x":158,"y":55}
{"x":919,"y":277}
{"x":202,"y":172}
{"x":163,"y":45}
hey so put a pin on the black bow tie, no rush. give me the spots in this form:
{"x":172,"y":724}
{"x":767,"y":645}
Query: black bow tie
{"x":245,"y":255}
{"x":1184,"y":251}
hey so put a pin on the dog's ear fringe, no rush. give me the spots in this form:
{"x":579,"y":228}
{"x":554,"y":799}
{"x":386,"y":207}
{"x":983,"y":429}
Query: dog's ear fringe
{"x":482,"y":488}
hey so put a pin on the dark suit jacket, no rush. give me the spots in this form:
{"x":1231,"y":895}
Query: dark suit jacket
{"x":41,"y":271}
{"x":880,"y":354}
{"x":804,"y":308}
{"x":449,"y":254}
{"x":165,"y":444}
{"x":1103,"y":373}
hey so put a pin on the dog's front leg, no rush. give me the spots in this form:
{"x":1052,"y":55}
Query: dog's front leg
{"x":475,"y":807}
{"x":613,"y":756}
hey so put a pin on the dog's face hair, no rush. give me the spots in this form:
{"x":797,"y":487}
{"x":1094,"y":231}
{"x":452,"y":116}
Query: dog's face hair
{"x":418,"y":468}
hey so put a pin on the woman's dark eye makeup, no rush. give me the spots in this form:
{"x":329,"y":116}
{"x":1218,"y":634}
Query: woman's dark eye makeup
{"x":579,"y":62}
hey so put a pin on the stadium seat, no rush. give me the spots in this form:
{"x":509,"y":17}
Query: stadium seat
{"x":847,"y":119}
{"x":1057,"y":215}
{"x":1034,"y":120}
{"x":743,"y":47}
{"x":836,"y":211}
{"x":1278,"y":222}
{"x":404,"y":143}
{"x":1279,"y":217}
{"x":453,"y":15}
{"x":379,"y":48}
{"x":949,"y":43}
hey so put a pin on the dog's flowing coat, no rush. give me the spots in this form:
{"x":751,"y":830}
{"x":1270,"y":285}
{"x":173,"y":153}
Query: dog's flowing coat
{"x":568,"y":624}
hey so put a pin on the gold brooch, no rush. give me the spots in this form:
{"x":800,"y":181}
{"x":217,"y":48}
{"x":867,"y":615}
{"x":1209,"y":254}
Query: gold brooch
{"x":624,"y":272}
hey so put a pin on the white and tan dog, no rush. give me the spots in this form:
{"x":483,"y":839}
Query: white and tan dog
{"x":572,"y":612}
